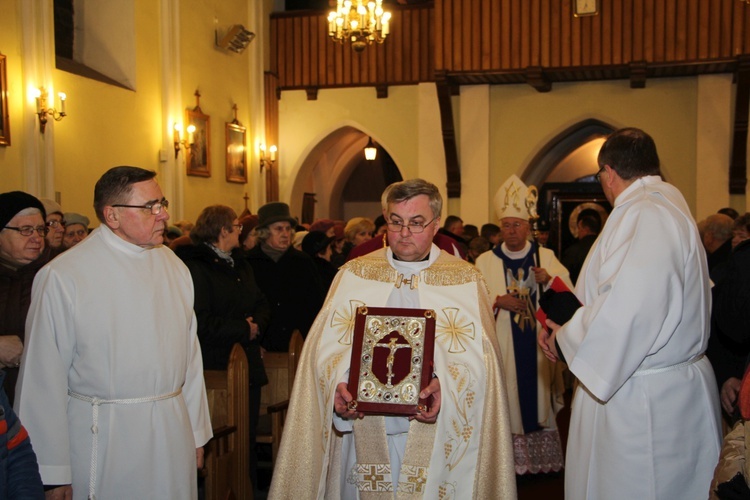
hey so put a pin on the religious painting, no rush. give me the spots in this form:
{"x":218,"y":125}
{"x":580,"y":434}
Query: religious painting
{"x":199,"y":152}
{"x":236,"y":153}
{"x":4,"y":115}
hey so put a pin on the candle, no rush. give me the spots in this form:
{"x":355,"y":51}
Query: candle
{"x":273,"y":153}
{"x":62,"y":102}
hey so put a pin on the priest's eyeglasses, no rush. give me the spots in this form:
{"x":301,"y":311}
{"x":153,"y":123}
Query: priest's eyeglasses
{"x":55,"y":223}
{"x":155,"y":207}
{"x":29,"y":230}
{"x":413,"y":227}
{"x":598,"y":175}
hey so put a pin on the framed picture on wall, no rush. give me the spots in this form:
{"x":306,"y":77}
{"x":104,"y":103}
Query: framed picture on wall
{"x":236,"y":153}
{"x":4,"y":116}
{"x":199,"y":153}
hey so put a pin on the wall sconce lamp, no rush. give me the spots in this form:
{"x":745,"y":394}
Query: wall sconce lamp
{"x":179,"y":141}
{"x":371,"y":152}
{"x":43,"y":111}
{"x":267,"y":160}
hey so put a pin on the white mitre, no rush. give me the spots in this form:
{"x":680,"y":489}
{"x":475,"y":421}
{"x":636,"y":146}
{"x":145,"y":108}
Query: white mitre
{"x":510,"y":199}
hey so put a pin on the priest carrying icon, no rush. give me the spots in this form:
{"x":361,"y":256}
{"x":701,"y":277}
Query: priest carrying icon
{"x":460,"y":445}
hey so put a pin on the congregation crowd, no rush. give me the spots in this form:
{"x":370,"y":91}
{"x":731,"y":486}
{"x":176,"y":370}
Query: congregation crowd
{"x":105,"y":333}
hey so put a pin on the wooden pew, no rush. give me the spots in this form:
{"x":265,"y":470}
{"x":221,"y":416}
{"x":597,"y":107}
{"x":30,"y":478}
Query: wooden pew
{"x":226,"y":468}
{"x":280,"y":368}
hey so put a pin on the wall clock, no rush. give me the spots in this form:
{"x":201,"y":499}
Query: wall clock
{"x":586,"y":7}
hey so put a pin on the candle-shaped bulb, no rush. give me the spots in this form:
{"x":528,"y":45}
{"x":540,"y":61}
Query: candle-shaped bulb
{"x":273,"y":150}
{"x":63,"y":97}
{"x":191,"y":134}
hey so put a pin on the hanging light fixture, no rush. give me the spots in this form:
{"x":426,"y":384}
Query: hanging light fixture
{"x":359,"y":21}
{"x":371,"y":152}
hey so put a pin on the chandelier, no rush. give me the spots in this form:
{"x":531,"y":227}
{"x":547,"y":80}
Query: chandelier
{"x":359,"y":21}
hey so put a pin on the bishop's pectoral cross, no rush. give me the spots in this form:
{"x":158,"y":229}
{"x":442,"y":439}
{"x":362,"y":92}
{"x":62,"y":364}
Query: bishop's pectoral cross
{"x":393,"y":346}
{"x":523,"y":319}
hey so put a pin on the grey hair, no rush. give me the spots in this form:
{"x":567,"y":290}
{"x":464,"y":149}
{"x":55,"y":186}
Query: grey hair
{"x":399,"y":192}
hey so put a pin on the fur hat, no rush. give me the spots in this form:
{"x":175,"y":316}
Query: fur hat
{"x":275,"y":211}
{"x":13,"y":202}
{"x":510,"y":199}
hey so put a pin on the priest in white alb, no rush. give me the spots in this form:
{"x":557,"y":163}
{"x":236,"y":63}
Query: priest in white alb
{"x":645,"y":420}
{"x":458,"y":447}
{"x":111,"y":384}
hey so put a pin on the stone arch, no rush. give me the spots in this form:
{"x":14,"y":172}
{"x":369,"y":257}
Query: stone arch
{"x":549,"y":162}
{"x":325,"y":168}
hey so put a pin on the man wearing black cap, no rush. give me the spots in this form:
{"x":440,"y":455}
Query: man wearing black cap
{"x":286,"y":276}
{"x":22,"y":254}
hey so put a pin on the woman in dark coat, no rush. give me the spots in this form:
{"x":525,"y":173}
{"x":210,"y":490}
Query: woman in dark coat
{"x":228,"y":303}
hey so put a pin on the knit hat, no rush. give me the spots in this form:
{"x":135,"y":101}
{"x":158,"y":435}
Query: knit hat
{"x":315,"y":242}
{"x":13,"y":202}
{"x":72,"y":218}
{"x":510,"y":199}
{"x":275,"y":211}
{"x":51,"y":206}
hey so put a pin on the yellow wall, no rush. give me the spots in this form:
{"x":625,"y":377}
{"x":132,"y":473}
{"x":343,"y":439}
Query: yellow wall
{"x":223,"y":79}
{"x":523,"y":121}
{"x":108,"y":126}
{"x":11,"y":171}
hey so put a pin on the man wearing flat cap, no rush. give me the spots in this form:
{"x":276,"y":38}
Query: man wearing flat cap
{"x":287,"y":277}
{"x":22,"y":254}
{"x":76,"y":229}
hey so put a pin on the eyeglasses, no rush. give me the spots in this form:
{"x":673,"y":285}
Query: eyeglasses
{"x":29,"y":230}
{"x":598,"y":175}
{"x":512,"y":225}
{"x":413,"y":227}
{"x":55,"y":223}
{"x":155,"y":208}
{"x":238,"y":226}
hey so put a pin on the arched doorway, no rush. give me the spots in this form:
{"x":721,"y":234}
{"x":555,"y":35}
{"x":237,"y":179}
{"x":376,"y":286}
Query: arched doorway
{"x":338,"y":181}
{"x":564,"y":170}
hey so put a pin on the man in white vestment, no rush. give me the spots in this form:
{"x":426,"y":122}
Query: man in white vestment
{"x":515,"y":279}
{"x":645,"y":420}
{"x":460,"y":446}
{"x":111,"y":385}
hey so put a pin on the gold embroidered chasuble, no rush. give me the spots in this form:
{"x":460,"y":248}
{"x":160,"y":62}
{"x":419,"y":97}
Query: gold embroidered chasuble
{"x":468,"y":449}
